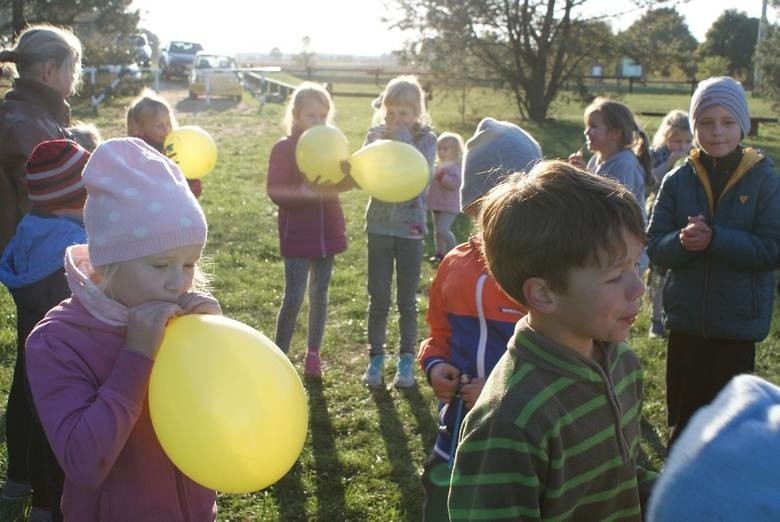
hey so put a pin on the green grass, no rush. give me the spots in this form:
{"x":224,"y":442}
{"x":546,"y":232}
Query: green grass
{"x":365,"y":448}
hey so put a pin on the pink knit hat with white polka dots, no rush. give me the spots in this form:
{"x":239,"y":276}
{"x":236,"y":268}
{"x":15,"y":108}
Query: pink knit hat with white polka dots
{"x":138,"y":204}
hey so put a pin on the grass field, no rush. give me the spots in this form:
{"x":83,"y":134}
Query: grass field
{"x":365,"y":448}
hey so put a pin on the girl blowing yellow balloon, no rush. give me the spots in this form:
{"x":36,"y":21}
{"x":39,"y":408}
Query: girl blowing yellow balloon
{"x":395,"y":234}
{"x":90,"y":358}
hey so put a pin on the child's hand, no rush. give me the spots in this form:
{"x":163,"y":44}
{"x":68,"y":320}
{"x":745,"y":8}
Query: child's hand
{"x":346,"y":168}
{"x":577,"y":160}
{"x":444,"y":381}
{"x":146,"y":326}
{"x":399,"y":132}
{"x":198,"y":303}
{"x":470,"y":392}
{"x":696,"y":235}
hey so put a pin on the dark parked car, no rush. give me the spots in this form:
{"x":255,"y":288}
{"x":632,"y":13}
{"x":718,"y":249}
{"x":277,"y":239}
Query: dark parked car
{"x":176,"y":58}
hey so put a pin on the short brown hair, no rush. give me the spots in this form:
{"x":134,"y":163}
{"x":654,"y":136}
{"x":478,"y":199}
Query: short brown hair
{"x":552,"y":219}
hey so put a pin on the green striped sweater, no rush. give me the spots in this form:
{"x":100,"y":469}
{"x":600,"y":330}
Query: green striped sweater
{"x":553,"y":436}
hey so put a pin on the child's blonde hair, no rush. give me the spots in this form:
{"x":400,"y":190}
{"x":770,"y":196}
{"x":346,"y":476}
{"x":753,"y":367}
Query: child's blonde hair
{"x":40,"y":43}
{"x":675,"y":120}
{"x":86,"y":134}
{"x":618,"y":116}
{"x":302,"y":92}
{"x":456,"y":141}
{"x":403,"y":90}
{"x":146,"y":105}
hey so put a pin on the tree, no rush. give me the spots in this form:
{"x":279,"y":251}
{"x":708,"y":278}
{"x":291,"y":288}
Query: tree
{"x":532,"y":47}
{"x":733,"y":36}
{"x":769,"y":48}
{"x":661,"y":41}
{"x":306,"y":57}
{"x":102,"y":25}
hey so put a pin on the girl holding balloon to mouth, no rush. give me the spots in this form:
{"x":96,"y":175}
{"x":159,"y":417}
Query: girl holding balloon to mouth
{"x":395,"y":234}
{"x":311,"y":224}
{"x":89,"y":360}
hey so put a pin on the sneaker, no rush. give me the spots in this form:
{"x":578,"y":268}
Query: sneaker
{"x":436,"y":258}
{"x":373,"y":375}
{"x":13,"y":490}
{"x":404,"y":374}
{"x":312,"y":365}
{"x":656,"y":329}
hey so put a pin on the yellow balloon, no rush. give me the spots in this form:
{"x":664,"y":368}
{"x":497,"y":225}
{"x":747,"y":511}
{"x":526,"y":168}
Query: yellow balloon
{"x":320,"y":151}
{"x":193,"y":150}
{"x":226,"y":404}
{"x":390,"y":171}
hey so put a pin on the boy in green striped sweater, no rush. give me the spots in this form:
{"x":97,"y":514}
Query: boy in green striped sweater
{"x":555,"y":433}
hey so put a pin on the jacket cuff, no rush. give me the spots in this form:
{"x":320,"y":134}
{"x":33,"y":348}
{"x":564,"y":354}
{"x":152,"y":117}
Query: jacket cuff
{"x":429,"y":364}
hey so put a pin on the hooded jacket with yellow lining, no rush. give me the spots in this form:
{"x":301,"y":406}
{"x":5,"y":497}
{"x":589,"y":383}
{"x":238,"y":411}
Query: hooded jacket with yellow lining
{"x":727,"y":290}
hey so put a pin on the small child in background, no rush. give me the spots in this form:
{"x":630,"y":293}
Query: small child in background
{"x":31,"y":268}
{"x":471,"y":319}
{"x":443,"y":192}
{"x":311,"y":225}
{"x":89,"y":359}
{"x":716,"y":227}
{"x":86,"y":134}
{"x":151,"y":118}
{"x":621,"y":151}
{"x":671,"y":143}
{"x":395,"y":234}
{"x":555,"y":432}
{"x":726,"y":464}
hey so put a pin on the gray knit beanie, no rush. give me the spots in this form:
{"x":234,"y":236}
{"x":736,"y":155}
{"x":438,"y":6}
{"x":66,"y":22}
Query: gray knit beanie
{"x":498,"y":148}
{"x":725,"y":91}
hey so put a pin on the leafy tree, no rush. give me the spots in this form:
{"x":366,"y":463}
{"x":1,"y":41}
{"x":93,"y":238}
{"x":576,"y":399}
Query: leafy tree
{"x":306,"y":57}
{"x":770,"y":63}
{"x":733,"y":36}
{"x":532,"y":47}
{"x":102,"y":25}
{"x":661,"y":41}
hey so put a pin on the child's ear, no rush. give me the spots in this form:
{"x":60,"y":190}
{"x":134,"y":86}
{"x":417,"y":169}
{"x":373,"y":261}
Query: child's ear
{"x":538,"y":295}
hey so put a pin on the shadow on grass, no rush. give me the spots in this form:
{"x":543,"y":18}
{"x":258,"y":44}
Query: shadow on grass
{"x":332,"y":504}
{"x":421,"y":409}
{"x":651,"y":439}
{"x":403,"y":471}
{"x":289,"y":494}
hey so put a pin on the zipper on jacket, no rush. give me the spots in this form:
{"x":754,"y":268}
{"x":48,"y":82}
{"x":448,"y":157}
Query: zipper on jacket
{"x":483,"y":333}
{"x":322,"y":227}
{"x":618,"y":412}
{"x":181,"y":492}
{"x":704,"y":298}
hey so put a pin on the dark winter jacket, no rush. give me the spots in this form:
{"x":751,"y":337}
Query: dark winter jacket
{"x":727,"y":290}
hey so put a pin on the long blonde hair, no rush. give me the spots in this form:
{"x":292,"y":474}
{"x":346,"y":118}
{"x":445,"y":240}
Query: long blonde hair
{"x":40,"y":43}
{"x":303,"y":91}
{"x":675,"y":120}
{"x":403,"y":90}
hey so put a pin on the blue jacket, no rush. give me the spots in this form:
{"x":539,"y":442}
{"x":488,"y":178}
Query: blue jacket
{"x":38,"y":248}
{"x":726,"y":291}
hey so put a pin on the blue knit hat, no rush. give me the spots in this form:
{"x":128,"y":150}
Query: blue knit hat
{"x":726,"y":463}
{"x":725,"y":91}
{"x":498,"y":148}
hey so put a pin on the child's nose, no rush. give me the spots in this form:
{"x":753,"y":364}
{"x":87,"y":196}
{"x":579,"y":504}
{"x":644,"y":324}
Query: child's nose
{"x":175,"y":281}
{"x":637,"y":288}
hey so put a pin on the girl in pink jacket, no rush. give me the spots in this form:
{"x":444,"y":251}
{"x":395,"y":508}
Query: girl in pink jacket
{"x":89,"y":359}
{"x":443,"y":195}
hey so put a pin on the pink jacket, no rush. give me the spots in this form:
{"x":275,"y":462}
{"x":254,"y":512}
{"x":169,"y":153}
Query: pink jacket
{"x":90,"y":394}
{"x":443,"y":193}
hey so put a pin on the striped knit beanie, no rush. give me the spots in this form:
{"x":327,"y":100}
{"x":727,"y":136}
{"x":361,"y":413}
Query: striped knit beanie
{"x":721,"y":90}
{"x":53,"y":175}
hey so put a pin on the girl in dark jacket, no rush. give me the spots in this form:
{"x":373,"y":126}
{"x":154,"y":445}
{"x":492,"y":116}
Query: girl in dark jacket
{"x":311,"y":225}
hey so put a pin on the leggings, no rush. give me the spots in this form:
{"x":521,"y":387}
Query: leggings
{"x":442,"y":228}
{"x":297,"y":270}
{"x":386,"y":253}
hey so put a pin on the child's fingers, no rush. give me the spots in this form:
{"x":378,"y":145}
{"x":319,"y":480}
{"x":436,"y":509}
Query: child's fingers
{"x":199,"y":303}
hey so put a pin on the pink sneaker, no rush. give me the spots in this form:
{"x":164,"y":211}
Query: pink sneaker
{"x":312,"y":366}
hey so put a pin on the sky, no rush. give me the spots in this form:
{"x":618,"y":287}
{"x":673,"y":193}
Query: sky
{"x":341,"y":26}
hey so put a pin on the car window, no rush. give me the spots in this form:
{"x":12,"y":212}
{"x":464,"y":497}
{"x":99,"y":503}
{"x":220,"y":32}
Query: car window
{"x":186,"y":47}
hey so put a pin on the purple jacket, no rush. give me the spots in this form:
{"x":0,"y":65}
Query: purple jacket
{"x":310,"y":224}
{"x":90,"y":394}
